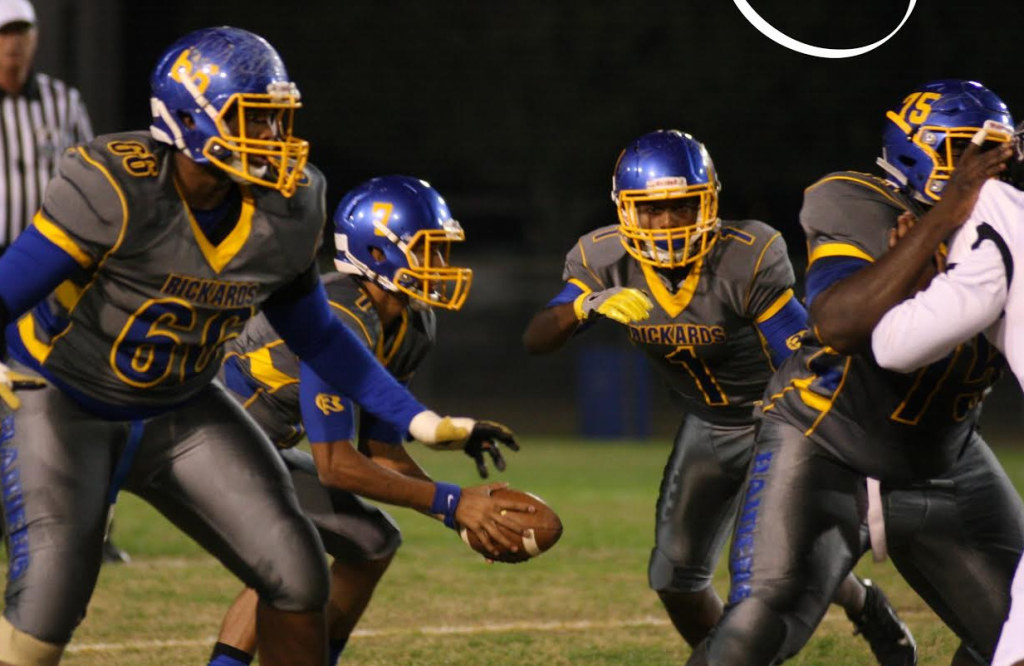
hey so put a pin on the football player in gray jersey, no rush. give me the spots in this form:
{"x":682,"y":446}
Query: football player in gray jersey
{"x":723,"y":315}
{"x":954,"y":525}
{"x":393,"y":236}
{"x":151,"y":251}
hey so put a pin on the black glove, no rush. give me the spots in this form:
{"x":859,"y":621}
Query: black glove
{"x":485,"y":438}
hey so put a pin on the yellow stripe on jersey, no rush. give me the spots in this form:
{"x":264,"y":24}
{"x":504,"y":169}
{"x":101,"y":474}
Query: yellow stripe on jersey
{"x":774,"y":308}
{"x":757,"y":267}
{"x":261,"y":364}
{"x":68,"y":293}
{"x":366,"y":333}
{"x":578,"y":283}
{"x":219,"y":255}
{"x":671,"y":303}
{"x":868,"y":181}
{"x":36,"y":347}
{"x":738,"y":234}
{"x":583,"y":257}
{"x":61,"y":239}
{"x":838,"y":250}
{"x":399,"y":338}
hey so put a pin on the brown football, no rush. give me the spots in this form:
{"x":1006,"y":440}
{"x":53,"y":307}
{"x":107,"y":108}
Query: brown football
{"x":544,"y":529}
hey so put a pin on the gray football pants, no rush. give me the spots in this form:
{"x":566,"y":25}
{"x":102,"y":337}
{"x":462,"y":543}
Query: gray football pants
{"x":799,"y":531}
{"x":206,"y":466}
{"x":699,"y":491}
{"x":351,"y":529}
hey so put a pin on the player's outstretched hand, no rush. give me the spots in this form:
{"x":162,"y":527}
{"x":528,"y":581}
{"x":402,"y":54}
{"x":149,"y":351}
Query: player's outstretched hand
{"x":11,"y":381}
{"x":623,"y":304}
{"x":476,"y":438}
{"x":976,"y":165}
{"x":492,"y":520}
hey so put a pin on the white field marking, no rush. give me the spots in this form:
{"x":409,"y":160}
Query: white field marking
{"x":497,"y":628}
{"x":575,"y":625}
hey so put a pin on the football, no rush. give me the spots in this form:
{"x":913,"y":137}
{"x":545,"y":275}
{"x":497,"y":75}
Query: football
{"x":544,"y":529}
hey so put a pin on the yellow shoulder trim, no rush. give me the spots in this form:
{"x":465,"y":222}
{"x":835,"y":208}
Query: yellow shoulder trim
{"x":861,"y":181}
{"x":604,"y":235}
{"x":774,"y":308}
{"x":738,"y":234}
{"x":671,"y":303}
{"x":757,"y":267}
{"x":219,"y":255}
{"x":838,"y":250}
{"x":362,"y":327}
{"x":583,"y":256}
{"x":120,"y":195}
{"x":61,"y":239}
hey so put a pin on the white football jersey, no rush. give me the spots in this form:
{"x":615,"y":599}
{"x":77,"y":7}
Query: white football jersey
{"x":977,"y":293}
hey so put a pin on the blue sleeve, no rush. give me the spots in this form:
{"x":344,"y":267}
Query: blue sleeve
{"x":333,"y":352}
{"x":326,"y":416}
{"x":780,"y":328}
{"x":30,"y":269}
{"x":826,"y":271}
{"x":570,"y":292}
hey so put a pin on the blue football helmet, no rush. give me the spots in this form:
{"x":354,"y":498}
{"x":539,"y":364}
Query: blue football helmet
{"x":925,"y":134}
{"x":205,"y":87}
{"x":661,"y":165}
{"x":397,"y":231}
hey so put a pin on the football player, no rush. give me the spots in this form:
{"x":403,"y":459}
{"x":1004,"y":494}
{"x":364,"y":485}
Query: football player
{"x":723,"y":314}
{"x":976,"y":294}
{"x":832,"y":416}
{"x":151,"y":251}
{"x":393,"y":235}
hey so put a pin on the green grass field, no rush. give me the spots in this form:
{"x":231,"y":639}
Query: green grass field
{"x":584,"y":602}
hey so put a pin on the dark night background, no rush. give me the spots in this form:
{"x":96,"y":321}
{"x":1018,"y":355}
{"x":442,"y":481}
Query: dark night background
{"x":516,"y":111}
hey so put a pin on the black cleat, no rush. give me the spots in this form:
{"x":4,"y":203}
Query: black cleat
{"x":889,"y":638}
{"x":114,"y":555}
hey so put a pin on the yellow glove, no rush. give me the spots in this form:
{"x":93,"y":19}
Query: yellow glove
{"x":11,"y":381}
{"x":623,"y":304}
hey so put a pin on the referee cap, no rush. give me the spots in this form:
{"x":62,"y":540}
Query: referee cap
{"x":16,"y":11}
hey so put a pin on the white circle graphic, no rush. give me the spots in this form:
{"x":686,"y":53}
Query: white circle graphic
{"x":769,"y":31}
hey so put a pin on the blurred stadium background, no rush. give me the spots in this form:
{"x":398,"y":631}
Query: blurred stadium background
{"x":516,"y":112}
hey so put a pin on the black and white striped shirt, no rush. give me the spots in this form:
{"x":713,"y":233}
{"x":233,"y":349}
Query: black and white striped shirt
{"x":38,"y":125}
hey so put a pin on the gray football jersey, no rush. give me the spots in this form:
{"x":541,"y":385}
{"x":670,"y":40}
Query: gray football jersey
{"x":700,"y":335}
{"x":145,"y":320}
{"x":886,"y":424}
{"x":271,"y":370}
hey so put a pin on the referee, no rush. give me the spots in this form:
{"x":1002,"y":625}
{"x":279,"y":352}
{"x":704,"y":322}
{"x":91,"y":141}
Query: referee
{"x":41,"y":118}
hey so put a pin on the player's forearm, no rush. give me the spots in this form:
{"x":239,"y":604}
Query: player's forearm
{"x":550,"y":329}
{"x":395,"y":458}
{"x":845,"y":314}
{"x":339,"y":465}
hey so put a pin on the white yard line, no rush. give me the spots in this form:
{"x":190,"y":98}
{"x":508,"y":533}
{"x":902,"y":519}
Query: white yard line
{"x":497,"y":628}
{"x":576,"y":625}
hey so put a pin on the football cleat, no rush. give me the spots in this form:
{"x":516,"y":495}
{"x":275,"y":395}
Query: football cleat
{"x":114,"y":555}
{"x":663,"y":168}
{"x":209,"y":86}
{"x":397,"y":231}
{"x":925,"y":134}
{"x":888,"y":637}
